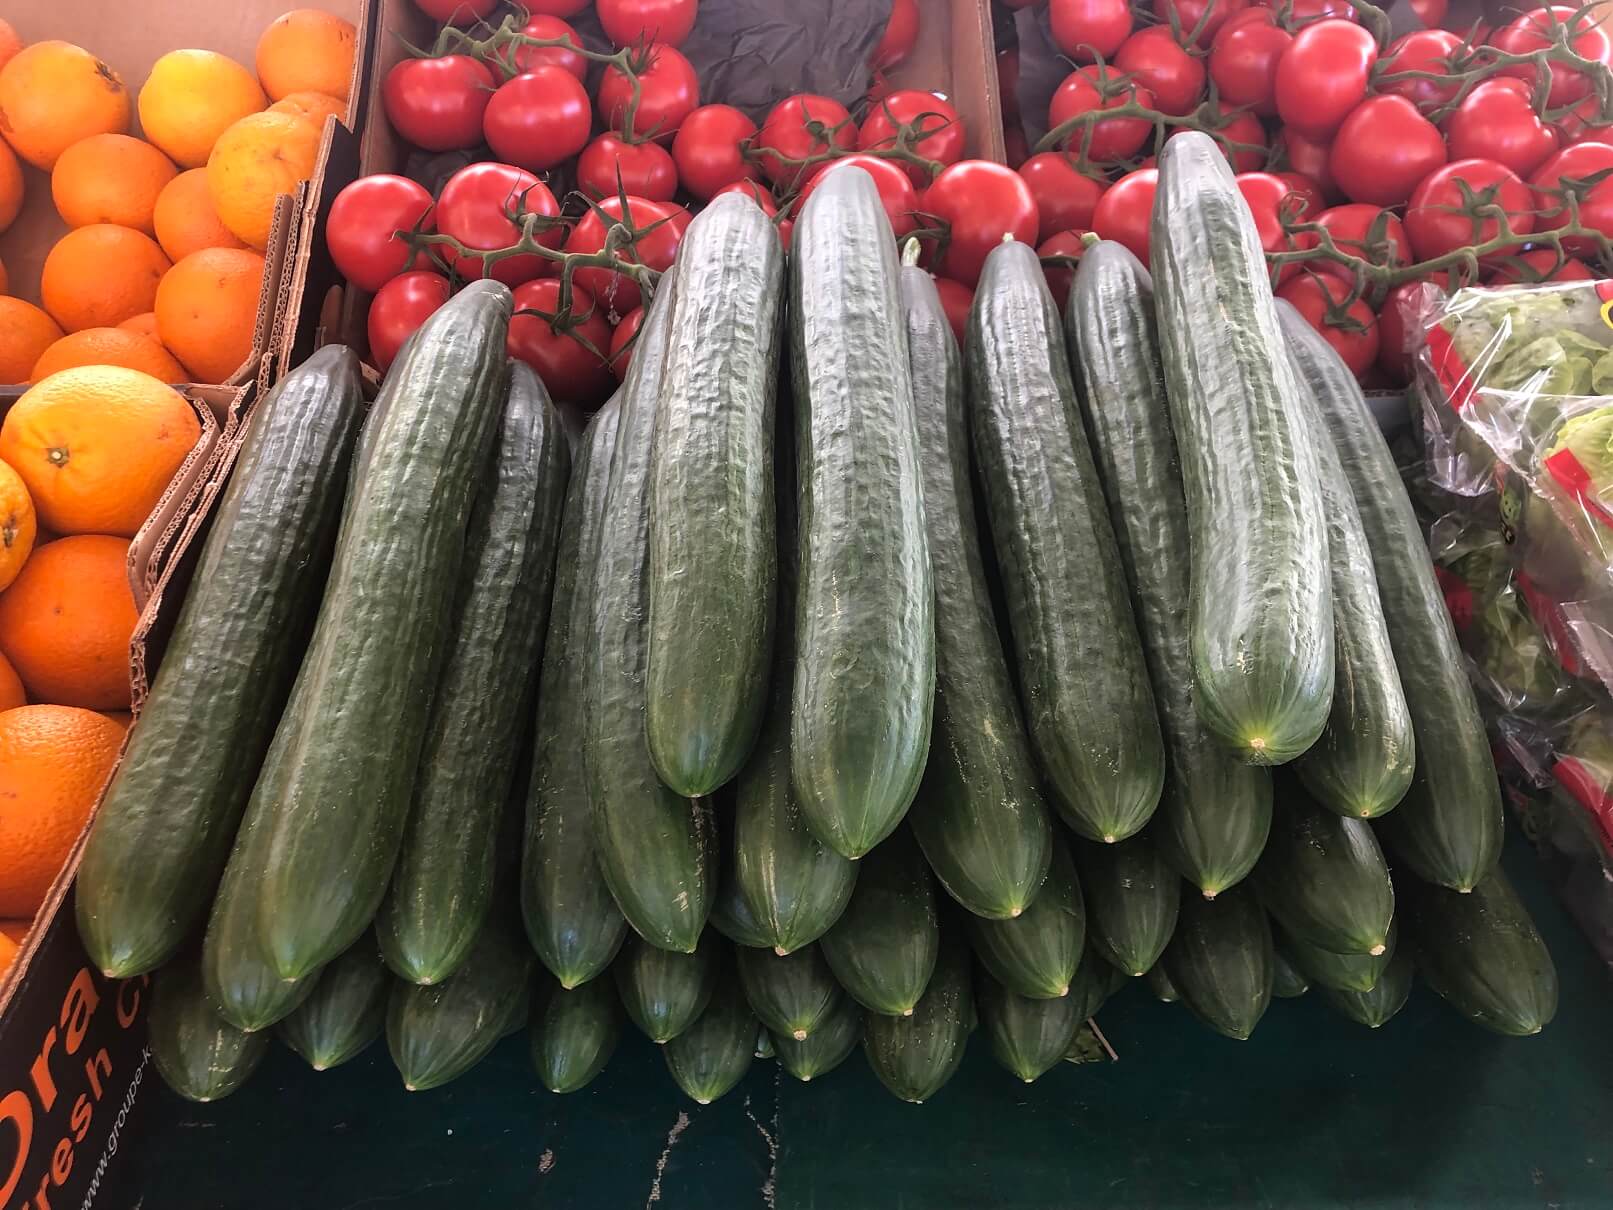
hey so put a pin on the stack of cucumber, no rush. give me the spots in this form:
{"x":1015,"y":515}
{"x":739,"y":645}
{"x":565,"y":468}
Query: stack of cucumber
{"x":837,"y":685}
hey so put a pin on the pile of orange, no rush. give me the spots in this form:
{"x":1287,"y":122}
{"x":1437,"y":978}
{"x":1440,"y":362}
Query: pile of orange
{"x":162,"y":267}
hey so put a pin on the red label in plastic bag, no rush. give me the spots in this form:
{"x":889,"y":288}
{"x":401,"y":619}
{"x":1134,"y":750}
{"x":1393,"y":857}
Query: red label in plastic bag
{"x":1589,"y":791}
{"x":1449,"y":367}
{"x":1547,"y":616}
{"x":1458,"y":598}
{"x":1572,"y":477}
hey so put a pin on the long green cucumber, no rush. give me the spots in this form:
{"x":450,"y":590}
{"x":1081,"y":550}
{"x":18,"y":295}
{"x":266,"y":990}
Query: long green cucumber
{"x":1159,"y":982}
{"x":1220,"y":960}
{"x":1028,"y":1037}
{"x":1342,"y":972}
{"x":981,"y":819}
{"x":865,"y":603}
{"x":764,"y":1044}
{"x":656,"y":850}
{"x":1132,"y":897}
{"x":883,"y":947}
{"x":574,"y":1035}
{"x":790,"y":994}
{"x":345,"y":1012}
{"x":175,"y":802}
{"x":571,"y":918}
{"x":1094,"y":982}
{"x":826,"y":1047}
{"x":1448,"y":828}
{"x":714,"y":1053}
{"x":1287,"y":981}
{"x":443,"y":881}
{"x":1082,"y":679}
{"x":712,"y":543}
{"x":664,"y":991}
{"x":731,"y":915}
{"x":1260,"y":612}
{"x":199,"y":1055}
{"x":915,"y":1055}
{"x":1036,"y":953}
{"x":1387,"y":997}
{"x":1212,"y":821}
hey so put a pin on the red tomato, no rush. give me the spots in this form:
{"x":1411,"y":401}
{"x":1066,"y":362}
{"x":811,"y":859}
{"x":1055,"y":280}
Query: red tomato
{"x":1323,"y":75}
{"x":1497,"y":122}
{"x":1383,"y":149}
{"x":1397,"y":319}
{"x":1203,"y":17}
{"x":1243,"y":61}
{"x":1243,"y":141}
{"x":1421,"y":50}
{"x":1089,"y":89}
{"x":1124,"y":212}
{"x":756,"y":191}
{"x":1435,"y":221}
{"x":478,"y":206}
{"x":456,"y":12}
{"x":637,"y":22}
{"x":709,"y":150}
{"x":1540,"y":265}
{"x":1087,"y":30}
{"x":956,"y":300}
{"x":1351,"y":227}
{"x":669,"y":88}
{"x":437,"y":104}
{"x":1008,"y":82}
{"x":678,"y":219}
{"x":1305,"y":12}
{"x":1583,"y":124}
{"x":1153,"y":58}
{"x":1065,"y":196}
{"x":656,"y":247}
{"x":556,"y":8}
{"x":573,"y":372}
{"x":1309,"y":157}
{"x":801,"y":126}
{"x":538,"y":119}
{"x":924,"y":114}
{"x":1570,"y":165}
{"x":399,"y":308}
{"x":611,"y":165}
{"x":526,"y":58}
{"x":1432,"y":14}
{"x":896,"y":192}
{"x":1307,"y":190}
{"x":980,"y":203}
{"x":1061,"y":277}
{"x":1316,"y":297}
{"x":1274,"y":204}
{"x":362,"y":231}
{"x":901,"y":33}
{"x":620,"y":355}
{"x":1539,"y":30}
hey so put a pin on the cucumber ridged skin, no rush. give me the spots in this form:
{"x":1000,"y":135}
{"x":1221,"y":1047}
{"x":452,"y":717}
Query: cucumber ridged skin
{"x":1132,"y":897}
{"x":713,"y":549}
{"x":1448,"y":828}
{"x":826,"y":1047}
{"x":1213,"y":817}
{"x":1028,"y":1037}
{"x":1220,"y":961}
{"x":865,"y":601}
{"x":571,"y":918}
{"x":1038,"y":952}
{"x":574,"y":1035}
{"x":656,"y":850}
{"x":1260,"y":616}
{"x":731,"y":915}
{"x":175,"y":803}
{"x":664,"y":991}
{"x":979,"y":816}
{"x":443,"y":881}
{"x":1083,"y":682}
{"x":1363,"y":763}
{"x":345,"y":1012}
{"x":336,"y":784}
{"x":1387,"y":997}
{"x":791,"y":994}
{"x":714,"y":1053}
{"x":1095,"y":981}
{"x":883,"y":948}
{"x":199,"y":1055}
{"x":1287,"y":981}
{"x":915,"y":1055}
{"x":1342,"y":972}
{"x":1482,"y":953}
{"x":1159,"y":982}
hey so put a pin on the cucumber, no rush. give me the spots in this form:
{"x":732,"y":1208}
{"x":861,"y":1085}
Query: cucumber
{"x":982,"y":822}
{"x":826,"y":1047}
{"x":336,"y":784}
{"x":656,"y":850}
{"x":199,"y":1055}
{"x":1260,"y":613}
{"x":715,"y":1052}
{"x":438,"y":1032}
{"x":1213,"y":818}
{"x":790,"y":994}
{"x":731,"y":915}
{"x":883,"y":948}
{"x":346,"y":1010}
{"x":1028,"y":1037}
{"x":664,"y":991}
{"x":915,"y":1055}
{"x":1387,"y":997}
{"x":1287,"y":982}
{"x":712,"y":542}
{"x":574,"y":1035}
{"x":865,"y":603}
{"x":1095,"y":981}
{"x":1323,"y":878}
{"x":1482,"y":953}
{"x":1082,"y":679}
{"x":1037,"y":953}
{"x":176,"y":799}
{"x":1448,"y":828}
{"x":571,"y":919}
{"x":1341,"y":972}
{"x":1131,"y":898}
{"x":443,"y":881}
{"x":1220,"y":960}
{"x":1160,"y":984}
{"x":764,"y":1044}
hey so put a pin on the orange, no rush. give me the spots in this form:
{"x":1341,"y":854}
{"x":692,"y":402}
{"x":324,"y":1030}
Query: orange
{"x":100,"y":275}
{"x":65,"y":624}
{"x":53,"y":762}
{"x":5,"y":278}
{"x":97,"y":446}
{"x":10,"y":187}
{"x":306,"y":50}
{"x":18,"y":530}
{"x":9,"y":950}
{"x":10,"y":44}
{"x":144,"y":323}
{"x":190,"y":98}
{"x":25,"y":333}
{"x":186,"y":220}
{"x":52,"y":94}
{"x":15,"y":930}
{"x":314,"y":106}
{"x":110,"y":178}
{"x":109,"y":347}
{"x":122,"y":718}
{"x":254,"y":162}
{"x":207,"y":310}
{"x":11,"y":691}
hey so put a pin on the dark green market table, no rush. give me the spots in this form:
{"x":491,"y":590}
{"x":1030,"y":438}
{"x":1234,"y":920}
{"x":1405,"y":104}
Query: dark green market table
{"x":1312,"y":1112}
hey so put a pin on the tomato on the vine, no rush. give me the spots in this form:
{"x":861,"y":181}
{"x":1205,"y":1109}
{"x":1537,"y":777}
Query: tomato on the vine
{"x":1273,"y":205}
{"x":1242,"y":140}
{"x":1309,"y":157}
{"x":437,"y":104}
{"x":1087,"y":30}
{"x":1244,"y":58}
{"x":929,"y":116}
{"x":1497,"y":121}
{"x":980,"y":203}
{"x":1424,"y":50}
{"x":709,"y":150}
{"x":1538,"y":30}
{"x":1305,"y":12}
{"x":478,"y":206}
{"x":611,"y":165}
{"x":457,"y":12}
{"x":1584,"y":124}
{"x":620,"y":355}
{"x":655,"y":247}
{"x":669,"y":92}
{"x":896,"y":192}
{"x":573,"y":372}
{"x":1399,"y":316}
{"x":554,"y":8}
{"x":1060,"y":277}
{"x":1065,"y":196}
{"x":1307,"y":190}
{"x":539,"y":119}
{"x":636,"y":22}
{"x":1432,"y":14}
{"x":1323,"y":76}
{"x":362,"y":230}
{"x":1370,"y":232}
{"x":526,"y":58}
{"x":756,"y":191}
{"x":900,"y":36}
{"x":1094,"y":89}
{"x":399,"y":308}
{"x":1354,"y":336}
{"x":1383,"y":149}
{"x":1204,"y":17}
{"x":1124,"y":212}
{"x":1569,"y":170}
{"x":1155,"y":60}
{"x":1539,"y":265}
{"x":799,"y":127}
{"x":1440,"y":218}
{"x":956,"y":300}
